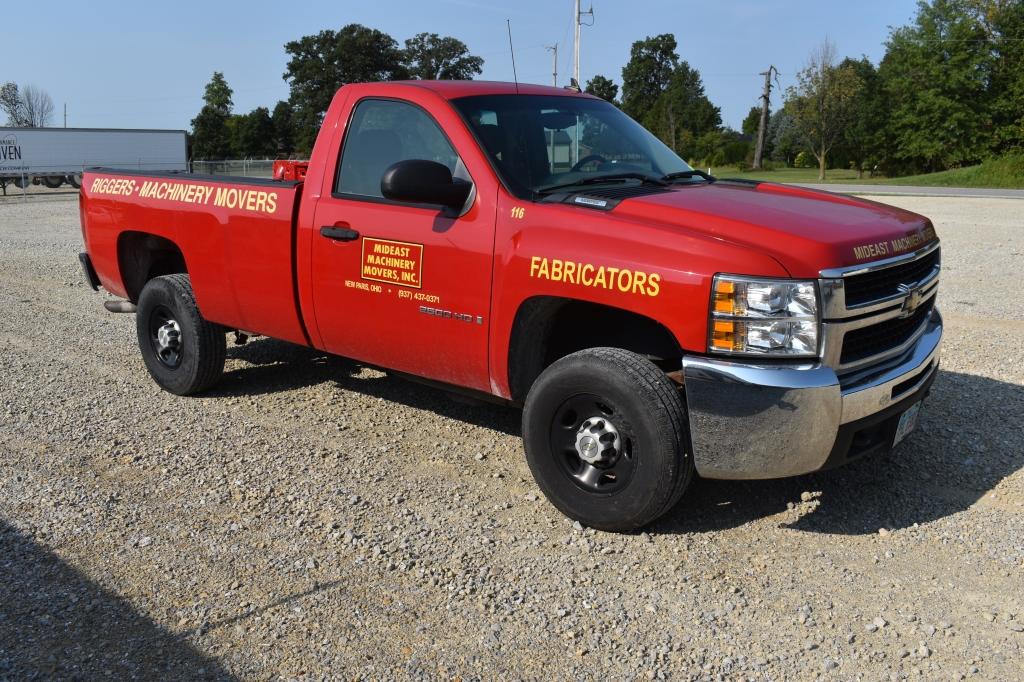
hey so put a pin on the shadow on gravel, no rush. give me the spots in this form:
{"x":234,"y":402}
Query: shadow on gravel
{"x":55,"y":623}
{"x":280,"y":366}
{"x":967,"y":441}
{"x":965,"y":444}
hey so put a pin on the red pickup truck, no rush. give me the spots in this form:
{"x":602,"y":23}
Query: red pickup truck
{"x":536,"y":245}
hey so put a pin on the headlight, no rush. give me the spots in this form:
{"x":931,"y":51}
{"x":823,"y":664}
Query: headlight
{"x":755,"y":316}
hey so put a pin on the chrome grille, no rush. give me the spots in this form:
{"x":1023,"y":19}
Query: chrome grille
{"x":883,"y":336}
{"x":876,"y":311}
{"x":879,"y":284}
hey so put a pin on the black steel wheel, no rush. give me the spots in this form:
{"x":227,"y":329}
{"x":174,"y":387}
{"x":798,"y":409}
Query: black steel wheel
{"x":165,"y":336}
{"x":183,"y":352}
{"x":595,"y":442}
{"x":605,"y":437}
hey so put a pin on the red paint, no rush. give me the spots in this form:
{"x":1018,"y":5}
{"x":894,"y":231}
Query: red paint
{"x":271,"y":272}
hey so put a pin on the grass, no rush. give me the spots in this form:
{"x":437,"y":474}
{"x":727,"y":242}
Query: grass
{"x":1004,"y":172}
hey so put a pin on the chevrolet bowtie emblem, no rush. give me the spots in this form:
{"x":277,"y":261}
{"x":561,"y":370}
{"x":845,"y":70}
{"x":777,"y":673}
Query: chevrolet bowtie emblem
{"x":914,"y":299}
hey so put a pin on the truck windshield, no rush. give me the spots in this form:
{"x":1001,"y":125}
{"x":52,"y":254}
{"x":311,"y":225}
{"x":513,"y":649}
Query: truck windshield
{"x":540,"y":142}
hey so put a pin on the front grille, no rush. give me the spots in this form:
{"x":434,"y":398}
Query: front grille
{"x":884,"y":336}
{"x":872,"y":286}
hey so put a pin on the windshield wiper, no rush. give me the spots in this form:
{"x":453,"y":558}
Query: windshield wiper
{"x":611,"y":177}
{"x":687,"y":174}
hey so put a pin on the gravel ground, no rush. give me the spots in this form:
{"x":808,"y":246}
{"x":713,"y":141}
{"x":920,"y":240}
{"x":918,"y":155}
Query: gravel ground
{"x":315,"y":519}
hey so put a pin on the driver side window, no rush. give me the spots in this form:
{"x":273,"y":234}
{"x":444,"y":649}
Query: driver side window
{"x":383,"y":132}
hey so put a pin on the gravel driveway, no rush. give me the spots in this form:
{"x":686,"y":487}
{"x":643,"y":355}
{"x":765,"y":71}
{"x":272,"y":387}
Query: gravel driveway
{"x":315,"y":519}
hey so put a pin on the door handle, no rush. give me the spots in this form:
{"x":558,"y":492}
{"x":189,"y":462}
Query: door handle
{"x":341,"y":234}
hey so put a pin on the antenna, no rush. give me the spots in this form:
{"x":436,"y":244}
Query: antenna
{"x":515,"y":78}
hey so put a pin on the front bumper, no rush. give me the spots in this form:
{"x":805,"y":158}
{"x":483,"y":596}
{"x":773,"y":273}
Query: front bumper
{"x":751,"y":421}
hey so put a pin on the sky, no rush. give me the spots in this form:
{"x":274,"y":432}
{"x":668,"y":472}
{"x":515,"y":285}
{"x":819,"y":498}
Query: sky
{"x":144,"y":64}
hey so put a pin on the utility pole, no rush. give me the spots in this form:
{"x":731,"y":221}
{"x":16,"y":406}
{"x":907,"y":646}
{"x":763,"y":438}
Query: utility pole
{"x":577,"y":22}
{"x":759,"y":150}
{"x":65,"y":114}
{"x":554,"y":82}
{"x":553,"y":49}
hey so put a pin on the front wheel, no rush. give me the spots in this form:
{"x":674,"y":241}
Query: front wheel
{"x":605,"y":437}
{"x":183,"y":352}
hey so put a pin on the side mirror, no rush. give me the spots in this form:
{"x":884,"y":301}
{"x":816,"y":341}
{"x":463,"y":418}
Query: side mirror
{"x":419,"y":181}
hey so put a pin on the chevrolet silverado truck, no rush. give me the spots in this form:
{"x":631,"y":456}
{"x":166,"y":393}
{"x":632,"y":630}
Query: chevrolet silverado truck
{"x":537,"y":246}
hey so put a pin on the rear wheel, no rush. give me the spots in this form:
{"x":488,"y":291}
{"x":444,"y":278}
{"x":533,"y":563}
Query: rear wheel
{"x":606,"y":440}
{"x":53,"y":181}
{"x":183,"y":352}
{"x":22,"y":181}
{"x":75,"y":180}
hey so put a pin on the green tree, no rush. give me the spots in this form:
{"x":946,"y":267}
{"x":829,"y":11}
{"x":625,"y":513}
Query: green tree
{"x":320,"y":64}
{"x":253,"y":134}
{"x":752,"y":122}
{"x":284,"y":128}
{"x":1005,"y":20}
{"x":211,"y":132}
{"x":429,"y":56}
{"x":936,"y":74}
{"x":721,"y":147}
{"x":783,"y":141}
{"x":821,"y":104}
{"x":26,"y":107}
{"x":682,"y":113}
{"x":11,"y":104}
{"x":652,"y":62}
{"x":217,"y":94}
{"x":602,"y":87}
{"x":863,"y":139}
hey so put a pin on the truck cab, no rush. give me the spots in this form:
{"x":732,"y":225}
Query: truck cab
{"x":536,"y":246}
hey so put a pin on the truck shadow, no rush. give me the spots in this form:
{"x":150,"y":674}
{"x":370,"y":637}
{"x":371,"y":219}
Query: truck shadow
{"x":958,"y":454}
{"x":275,"y":366}
{"x":55,"y":623}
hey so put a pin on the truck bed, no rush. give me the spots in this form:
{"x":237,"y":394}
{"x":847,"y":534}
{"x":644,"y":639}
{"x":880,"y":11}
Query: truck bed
{"x":236,"y":235}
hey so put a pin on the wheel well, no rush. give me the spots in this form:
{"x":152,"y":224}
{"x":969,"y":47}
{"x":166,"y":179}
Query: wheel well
{"x":547,"y":328}
{"x":142,"y":256}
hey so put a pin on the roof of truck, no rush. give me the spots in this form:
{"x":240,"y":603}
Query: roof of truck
{"x":455,"y":89}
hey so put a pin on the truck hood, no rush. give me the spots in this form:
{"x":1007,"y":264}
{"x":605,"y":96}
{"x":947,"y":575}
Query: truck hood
{"x":805,"y":230}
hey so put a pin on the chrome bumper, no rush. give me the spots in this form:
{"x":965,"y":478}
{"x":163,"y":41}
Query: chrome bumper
{"x":750,"y":421}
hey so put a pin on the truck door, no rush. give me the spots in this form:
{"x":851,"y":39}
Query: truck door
{"x":397,"y":285}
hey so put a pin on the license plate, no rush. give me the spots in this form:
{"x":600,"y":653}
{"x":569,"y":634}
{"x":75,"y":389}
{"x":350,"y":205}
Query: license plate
{"x":908,"y":420}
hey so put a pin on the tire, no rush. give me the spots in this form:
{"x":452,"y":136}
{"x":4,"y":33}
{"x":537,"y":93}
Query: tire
{"x":183,"y":352}
{"x":53,"y":181}
{"x":75,"y":180}
{"x":637,"y":463}
{"x":22,"y":181}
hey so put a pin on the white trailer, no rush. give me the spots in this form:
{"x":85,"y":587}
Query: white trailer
{"x":53,"y":156}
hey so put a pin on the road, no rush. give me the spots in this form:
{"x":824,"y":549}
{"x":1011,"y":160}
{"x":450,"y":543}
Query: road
{"x":912,"y":191}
